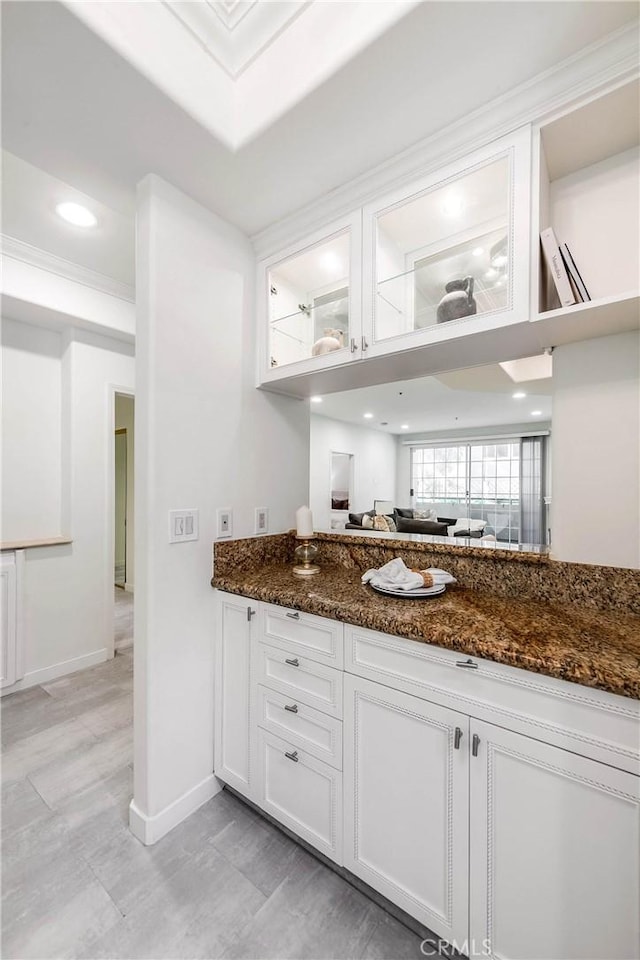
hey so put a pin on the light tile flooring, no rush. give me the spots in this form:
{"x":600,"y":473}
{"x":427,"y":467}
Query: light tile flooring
{"x":225,"y":883}
{"x":122,"y":618}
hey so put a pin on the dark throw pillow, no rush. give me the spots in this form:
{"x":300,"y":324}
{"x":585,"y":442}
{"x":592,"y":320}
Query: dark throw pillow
{"x":422,"y":526}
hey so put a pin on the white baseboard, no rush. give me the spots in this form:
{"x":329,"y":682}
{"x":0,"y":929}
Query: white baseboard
{"x":56,"y":670}
{"x":151,"y":829}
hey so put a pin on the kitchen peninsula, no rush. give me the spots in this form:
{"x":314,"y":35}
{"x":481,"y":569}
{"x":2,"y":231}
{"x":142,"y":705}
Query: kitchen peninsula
{"x":461,"y":755}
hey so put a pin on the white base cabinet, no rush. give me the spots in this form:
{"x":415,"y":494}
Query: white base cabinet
{"x":555,"y":852}
{"x":498,"y":807}
{"x":407,"y":802}
{"x":301,"y":792}
{"x":233,"y":760}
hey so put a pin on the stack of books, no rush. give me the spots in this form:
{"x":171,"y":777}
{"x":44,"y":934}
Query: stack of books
{"x":569,"y":285}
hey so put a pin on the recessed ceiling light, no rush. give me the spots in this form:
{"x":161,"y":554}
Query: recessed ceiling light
{"x":536,"y":413}
{"x":315,"y":399}
{"x":368,"y":416}
{"x":76,"y":214}
{"x":478,"y":251}
{"x":519,"y":395}
{"x":404,"y":426}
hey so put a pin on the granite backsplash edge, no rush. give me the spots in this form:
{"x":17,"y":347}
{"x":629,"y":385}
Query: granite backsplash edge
{"x":533,"y":576}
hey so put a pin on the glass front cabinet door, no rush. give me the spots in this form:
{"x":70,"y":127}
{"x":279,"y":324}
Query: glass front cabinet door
{"x":450,"y":256}
{"x":309,"y":303}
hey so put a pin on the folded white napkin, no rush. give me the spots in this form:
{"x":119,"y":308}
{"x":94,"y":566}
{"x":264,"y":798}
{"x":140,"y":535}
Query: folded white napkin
{"x":396,"y":575}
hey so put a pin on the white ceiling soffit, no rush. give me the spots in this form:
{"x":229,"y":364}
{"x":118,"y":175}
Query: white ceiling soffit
{"x":476,"y":397}
{"x":237,"y":67}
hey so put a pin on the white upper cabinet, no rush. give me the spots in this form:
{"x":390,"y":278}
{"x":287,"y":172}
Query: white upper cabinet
{"x":448,"y":256}
{"x":309,"y":303}
{"x":446,"y":271}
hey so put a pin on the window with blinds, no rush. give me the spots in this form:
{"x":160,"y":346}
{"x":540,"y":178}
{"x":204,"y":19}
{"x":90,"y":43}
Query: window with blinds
{"x":499,"y":482}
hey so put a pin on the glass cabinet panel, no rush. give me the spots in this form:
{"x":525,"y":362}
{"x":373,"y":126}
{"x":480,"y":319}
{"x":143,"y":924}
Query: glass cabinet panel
{"x":445,"y":254}
{"x":308,"y":296}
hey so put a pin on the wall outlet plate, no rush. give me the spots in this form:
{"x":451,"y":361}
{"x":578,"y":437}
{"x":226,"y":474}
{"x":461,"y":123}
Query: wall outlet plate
{"x":224,"y":523}
{"x":262,"y":520}
{"x":184,"y":525}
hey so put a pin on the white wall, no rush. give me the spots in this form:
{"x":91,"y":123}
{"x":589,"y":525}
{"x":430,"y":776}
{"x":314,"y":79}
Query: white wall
{"x":374,"y":466}
{"x":595,"y":516}
{"x":125,"y":420}
{"x":68,"y":589}
{"x":31,"y":431}
{"x":205,"y":438}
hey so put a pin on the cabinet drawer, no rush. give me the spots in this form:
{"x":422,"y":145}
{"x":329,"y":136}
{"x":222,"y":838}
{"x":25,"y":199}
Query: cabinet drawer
{"x":314,"y":637}
{"x":590,"y":722}
{"x":302,"y":793}
{"x":317,"y":733}
{"x":301,"y":679}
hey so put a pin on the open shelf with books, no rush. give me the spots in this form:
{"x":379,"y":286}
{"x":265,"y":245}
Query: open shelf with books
{"x":586,"y":231}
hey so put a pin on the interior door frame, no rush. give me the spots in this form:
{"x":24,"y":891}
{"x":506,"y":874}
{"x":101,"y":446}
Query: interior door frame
{"x":109,"y":529}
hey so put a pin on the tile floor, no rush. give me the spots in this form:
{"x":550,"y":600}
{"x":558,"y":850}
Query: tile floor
{"x":225,"y":883}
{"x":122,"y":618}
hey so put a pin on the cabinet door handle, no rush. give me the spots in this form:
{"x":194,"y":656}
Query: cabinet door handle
{"x":293,"y":663}
{"x":292,"y":756}
{"x":365,"y":345}
{"x":294,"y":616}
{"x":475,"y":743}
{"x":469,"y":664}
{"x":250,"y":613}
{"x":457,"y":738}
{"x":291,"y":707}
{"x":353,"y":345}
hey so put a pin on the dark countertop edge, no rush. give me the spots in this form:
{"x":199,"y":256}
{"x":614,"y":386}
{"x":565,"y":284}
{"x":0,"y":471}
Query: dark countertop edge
{"x":268,"y":595}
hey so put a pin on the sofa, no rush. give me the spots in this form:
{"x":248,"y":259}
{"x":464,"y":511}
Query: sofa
{"x":405,"y":521}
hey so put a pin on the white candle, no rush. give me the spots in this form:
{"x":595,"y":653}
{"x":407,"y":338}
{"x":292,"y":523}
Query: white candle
{"x":304,"y":522}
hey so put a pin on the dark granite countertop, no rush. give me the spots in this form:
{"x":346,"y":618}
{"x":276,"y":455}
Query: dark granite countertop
{"x":582,"y":645}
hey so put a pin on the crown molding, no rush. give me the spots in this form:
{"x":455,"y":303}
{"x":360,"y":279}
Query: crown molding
{"x":36,"y":257}
{"x":235,"y":34}
{"x":601,"y":66}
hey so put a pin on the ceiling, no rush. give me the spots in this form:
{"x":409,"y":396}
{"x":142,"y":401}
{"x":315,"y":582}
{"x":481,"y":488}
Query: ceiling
{"x":464,"y":399}
{"x":81,"y":111}
{"x":29,"y":200}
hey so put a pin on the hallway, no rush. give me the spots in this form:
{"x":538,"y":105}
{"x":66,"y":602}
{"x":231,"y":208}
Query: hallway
{"x":225,"y":883}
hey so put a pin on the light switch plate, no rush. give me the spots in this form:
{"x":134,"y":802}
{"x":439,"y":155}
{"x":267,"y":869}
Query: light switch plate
{"x":262,"y":520}
{"x":224,"y":523}
{"x":184,"y":525}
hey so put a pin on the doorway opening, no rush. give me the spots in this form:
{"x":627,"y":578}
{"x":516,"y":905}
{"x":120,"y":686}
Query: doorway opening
{"x":124,"y":510}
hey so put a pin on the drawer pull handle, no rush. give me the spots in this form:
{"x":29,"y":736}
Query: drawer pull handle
{"x":250,"y":613}
{"x":294,"y":616}
{"x":475,"y":743}
{"x":291,"y":707}
{"x":293,"y":663}
{"x":292,"y":756}
{"x":457,"y":738}
{"x":469,"y":664}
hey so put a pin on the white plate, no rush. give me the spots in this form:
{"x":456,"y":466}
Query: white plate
{"x":434,"y":591}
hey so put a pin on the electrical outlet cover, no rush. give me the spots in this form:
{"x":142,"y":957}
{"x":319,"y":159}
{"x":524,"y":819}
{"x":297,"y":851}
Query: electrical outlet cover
{"x":262,"y":520}
{"x":224,"y":523}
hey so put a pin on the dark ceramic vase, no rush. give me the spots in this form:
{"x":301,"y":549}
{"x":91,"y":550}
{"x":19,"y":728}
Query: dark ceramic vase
{"x":458,"y":301}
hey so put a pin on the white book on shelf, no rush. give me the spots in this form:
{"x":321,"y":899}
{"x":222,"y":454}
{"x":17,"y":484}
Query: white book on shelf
{"x":556,"y":267}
